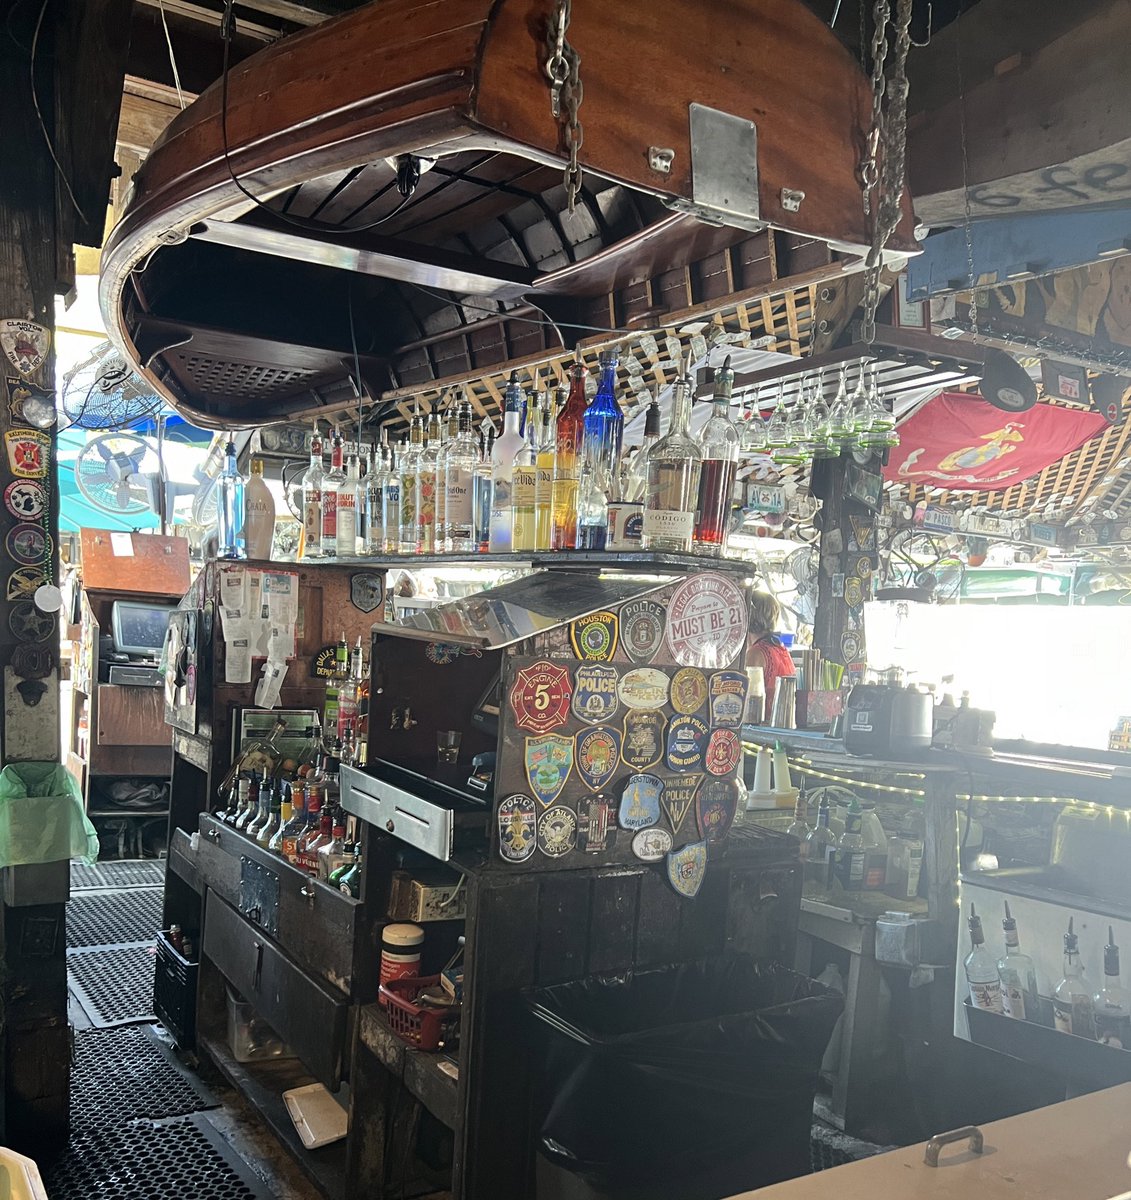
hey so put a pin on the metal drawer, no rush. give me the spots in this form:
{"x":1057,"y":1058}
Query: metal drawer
{"x":218,"y":858}
{"x":307,"y":1014}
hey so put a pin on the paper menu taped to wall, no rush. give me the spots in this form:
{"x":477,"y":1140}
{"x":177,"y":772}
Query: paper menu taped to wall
{"x":258,"y":613}
{"x":270,"y":684}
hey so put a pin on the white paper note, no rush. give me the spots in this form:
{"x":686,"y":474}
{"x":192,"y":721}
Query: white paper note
{"x":122,"y":545}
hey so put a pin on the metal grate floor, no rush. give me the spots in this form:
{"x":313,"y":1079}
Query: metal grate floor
{"x":113,"y":984}
{"x":143,"y":872}
{"x":126,"y":1074}
{"x":831,"y":1148}
{"x":144,"y":1160}
{"x":112,"y":918}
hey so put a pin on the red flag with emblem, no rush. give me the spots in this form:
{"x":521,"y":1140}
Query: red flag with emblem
{"x":962,"y":443}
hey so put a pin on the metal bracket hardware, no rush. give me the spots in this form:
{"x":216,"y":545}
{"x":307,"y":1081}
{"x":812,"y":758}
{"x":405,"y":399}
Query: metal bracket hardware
{"x":931,"y":1154}
{"x":791,"y":199}
{"x":724,"y":170}
{"x":660,"y":159}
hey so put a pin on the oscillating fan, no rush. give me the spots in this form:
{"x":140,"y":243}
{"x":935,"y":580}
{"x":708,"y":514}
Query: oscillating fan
{"x":802,"y":566}
{"x":108,"y":474}
{"x":103,"y":392}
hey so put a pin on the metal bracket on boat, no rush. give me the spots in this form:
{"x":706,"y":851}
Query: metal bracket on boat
{"x":724,"y":170}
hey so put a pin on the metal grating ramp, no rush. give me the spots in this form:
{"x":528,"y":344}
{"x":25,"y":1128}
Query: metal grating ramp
{"x":112,"y":918}
{"x":144,"y":1160}
{"x":142,"y":872}
{"x":126,"y":1074}
{"x":113,"y":984}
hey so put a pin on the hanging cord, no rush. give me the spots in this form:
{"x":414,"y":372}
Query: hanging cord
{"x":172,"y":55}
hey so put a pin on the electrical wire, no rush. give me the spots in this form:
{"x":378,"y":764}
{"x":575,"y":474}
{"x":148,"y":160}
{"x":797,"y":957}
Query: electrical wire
{"x":172,"y":55}
{"x":227,"y":30}
{"x":39,"y":115}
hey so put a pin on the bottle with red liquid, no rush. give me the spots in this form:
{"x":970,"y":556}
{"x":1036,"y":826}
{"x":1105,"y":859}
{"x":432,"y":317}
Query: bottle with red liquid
{"x":719,"y":443}
{"x":569,"y":429}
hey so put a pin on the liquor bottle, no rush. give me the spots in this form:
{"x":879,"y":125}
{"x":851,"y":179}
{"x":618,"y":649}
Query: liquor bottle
{"x":262,"y":808}
{"x":459,"y":478}
{"x":592,"y":509}
{"x":391,"y":502}
{"x":718,"y":441}
{"x":375,"y":500}
{"x":346,"y":536}
{"x":238,"y":802}
{"x":251,"y":804}
{"x":820,"y":841}
{"x":338,"y":874}
{"x":319,"y":834}
{"x":332,"y":482}
{"x":799,"y":827}
{"x":544,"y":477}
{"x":334,"y":685}
{"x":293,"y":829}
{"x":348,"y":698}
{"x":673,"y":478}
{"x":312,"y":500}
{"x":848,"y":863}
{"x":603,"y":424}
{"x":266,"y":831}
{"x":426,"y":489}
{"x":1072,"y":1007}
{"x":1112,"y":1003}
{"x":230,"y":508}
{"x":450,"y":427}
{"x":524,"y":482}
{"x":259,"y":514}
{"x":350,"y":880}
{"x":367,"y":471}
{"x":410,"y":466}
{"x":1018,"y":976}
{"x":569,"y":429}
{"x":981,"y":970}
{"x":332,"y":854}
{"x":502,"y":468}
{"x":286,"y":815}
{"x":637,"y":483}
{"x":482,"y":488}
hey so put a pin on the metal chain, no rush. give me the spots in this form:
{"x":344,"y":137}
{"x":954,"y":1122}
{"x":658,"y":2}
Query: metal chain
{"x":563,"y":70}
{"x":869,"y":171}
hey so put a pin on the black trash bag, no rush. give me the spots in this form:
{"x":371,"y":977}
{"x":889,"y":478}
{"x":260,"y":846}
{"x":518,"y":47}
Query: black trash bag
{"x":698,"y":1077}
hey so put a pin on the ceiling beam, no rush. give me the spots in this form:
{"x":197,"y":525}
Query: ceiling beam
{"x":191,"y":11}
{"x":372,"y":254}
{"x":146,"y":109}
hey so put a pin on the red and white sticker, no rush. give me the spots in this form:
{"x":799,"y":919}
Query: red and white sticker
{"x":28,"y":453}
{"x":706,"y":621}
{"x":540,"y":697}
{"x":25,"y":499}
{"x":723,"y":752}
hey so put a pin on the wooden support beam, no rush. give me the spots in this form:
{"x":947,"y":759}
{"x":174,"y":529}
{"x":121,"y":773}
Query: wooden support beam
{"x":146,"y":109}
{"x":372,"y":254}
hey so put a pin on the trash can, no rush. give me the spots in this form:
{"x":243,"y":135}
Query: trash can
{"x":691,"y":1082}
{"x":41,"y":816}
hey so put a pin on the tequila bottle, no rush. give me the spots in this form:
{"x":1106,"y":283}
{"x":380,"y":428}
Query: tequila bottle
{"x":673,"y":478}
{"x":718,"y":440}
{"x":459,"y":478}
{"x":410,"y":466}
{"x":544,"y":473}
{"x":569,"y":428}
{"x":332,"y":482}
{"x":450,"y":426}
{"x":502,"y":468}
{"x":1018,"y":976}
{"x":603,"y":424}
{"x":229,"y":507}
{"x":1072,"y":1006}
{"x":312,"y":500}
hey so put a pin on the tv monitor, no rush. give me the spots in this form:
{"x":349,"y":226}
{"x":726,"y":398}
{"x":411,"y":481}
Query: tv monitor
{"x":138,"y":628}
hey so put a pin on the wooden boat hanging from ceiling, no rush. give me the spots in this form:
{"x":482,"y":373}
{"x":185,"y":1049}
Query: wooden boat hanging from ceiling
{"x":706,"y":125}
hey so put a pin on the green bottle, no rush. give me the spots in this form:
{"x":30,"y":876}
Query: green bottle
{"x":348,"y":878}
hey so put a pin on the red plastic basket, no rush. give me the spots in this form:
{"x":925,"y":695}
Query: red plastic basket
{"x":423,"y":1028}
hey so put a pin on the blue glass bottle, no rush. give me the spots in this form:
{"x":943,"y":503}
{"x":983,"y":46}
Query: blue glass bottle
{"x":230,"y":507}
{"x":603,"y":427}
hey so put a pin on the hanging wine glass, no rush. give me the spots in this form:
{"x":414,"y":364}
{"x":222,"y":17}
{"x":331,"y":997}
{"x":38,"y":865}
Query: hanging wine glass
{"x":799,"y":432}
{"x":842,"y":430}
{"x":777,"y":427}
{"x":858,"y":403}
{"x":880,"y":433}
{"x":822,"y":444}
{"x":754,"y":429}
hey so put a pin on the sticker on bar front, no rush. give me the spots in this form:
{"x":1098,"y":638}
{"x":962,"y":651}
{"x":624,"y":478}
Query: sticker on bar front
{"x":728,"y":699}
{"x":518,"y":827}
{"x":687,"y":743}
{"x":642,"y":629}
{"x":640,"y":802}
{"x":643,"y":687}
{"x":540,"y":697}
{"x":594,"y":638}
{"x":557,"y":831}
{"x":596,"y":825}
{"x":723,"y":752}
{"x":598,"y":754}
{"x":25,"y":499}
{"x":28,"y":624}
{"x":706,"y":621}
{"x":24,"y":582}
{"x":29,"y":453}
{"x":25,"y":344}
{"x":26,"y":400}
{"x":549,"y":760}
{"x":687,"y":868}
{"x":650,"y":845}
{"x":28,"y":544}
{"x":678,"y":797}
{"x":643,"y":738}
{"x":716,"y":804}
{"x":595,"y":694}
{"x":689,"y":690}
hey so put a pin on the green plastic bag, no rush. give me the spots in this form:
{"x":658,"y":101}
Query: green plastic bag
{"x":41,"y":816}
